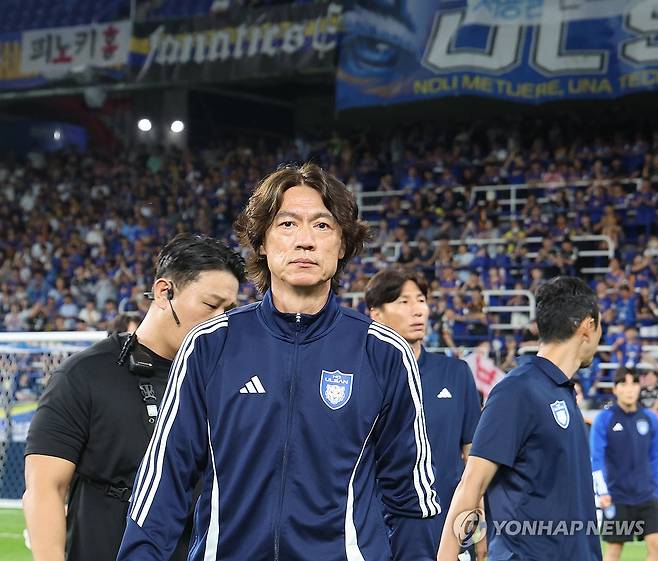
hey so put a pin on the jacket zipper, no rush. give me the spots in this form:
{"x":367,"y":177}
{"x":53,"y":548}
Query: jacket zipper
{"x":284,"y":460}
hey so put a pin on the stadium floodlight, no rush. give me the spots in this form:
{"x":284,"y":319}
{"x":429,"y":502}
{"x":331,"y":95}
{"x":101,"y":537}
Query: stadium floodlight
{"x":177,"y":126}
{"x":57,"y":135}
{"x":144,"y":125}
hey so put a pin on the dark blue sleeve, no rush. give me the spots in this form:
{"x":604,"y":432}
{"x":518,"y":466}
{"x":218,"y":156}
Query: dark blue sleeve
{"x":598,"y":442}
{"x":505,"y":424}
{"x":180,"y":445}
{"x":405,"y":475}
{"x":654,"y":449}
{"x":472,"y":409}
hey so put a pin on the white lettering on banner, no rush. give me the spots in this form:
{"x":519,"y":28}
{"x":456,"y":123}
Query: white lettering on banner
{"x":550,"y":57}
{"x":58,"y":50}
{"x":502,"y":53}
{"x":533,"y":12}
{"x":642,"y":20}
{"x":548,"y":54}
{"x":243,"y":41}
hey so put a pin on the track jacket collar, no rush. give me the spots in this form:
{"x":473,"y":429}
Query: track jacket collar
{"x":305,"y":326}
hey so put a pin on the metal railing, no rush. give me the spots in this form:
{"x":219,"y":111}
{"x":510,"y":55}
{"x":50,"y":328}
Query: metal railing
{"x":605,"y":384}
{"x":391,"y":250}
{"x":512,"y":202}
{"x":355,"y":298}
{"x":529,"y":308}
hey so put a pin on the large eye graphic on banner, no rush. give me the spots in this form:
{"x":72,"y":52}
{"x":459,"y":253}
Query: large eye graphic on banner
{"x":378,"y":40}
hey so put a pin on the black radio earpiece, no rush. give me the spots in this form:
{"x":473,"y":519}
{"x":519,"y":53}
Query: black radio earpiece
{"x":170,"y":297}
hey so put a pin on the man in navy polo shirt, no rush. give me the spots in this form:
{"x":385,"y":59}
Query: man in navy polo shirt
{"x":624,"y":446}
{"x":398,"y":298}
{"x":530,"y":450}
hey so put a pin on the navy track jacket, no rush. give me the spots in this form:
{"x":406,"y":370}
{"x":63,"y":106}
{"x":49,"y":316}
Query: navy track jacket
{"x":290,"y":421}
{"x":624,"y":448}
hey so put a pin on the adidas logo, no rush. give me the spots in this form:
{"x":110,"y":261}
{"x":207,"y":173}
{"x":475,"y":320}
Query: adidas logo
{"x":253,"y":386}
{"x":444,"y":394}
{"x":617,"y":427}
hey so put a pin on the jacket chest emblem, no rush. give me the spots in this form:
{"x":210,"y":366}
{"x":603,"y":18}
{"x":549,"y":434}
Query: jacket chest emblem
{"x":335,"y":388}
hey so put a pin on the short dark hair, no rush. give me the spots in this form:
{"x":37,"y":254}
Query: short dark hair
{"x":186,"y":256}
{"x":385,"y":287}
{"x":252,"y":224}
{"x":562,"y":304}
{"x":621,"y":373}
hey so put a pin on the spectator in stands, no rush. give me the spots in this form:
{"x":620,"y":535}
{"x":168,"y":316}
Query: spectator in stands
{"x":649,"y":390}
{"x":428,"y":230}
{"x":537,"y":278}
{"x":645,"y":202}
{"x":535,"y":224}
{"x":425,"y":258}
{"x":475,"y":316}
{"x":627,"y":349}
{"x":567,"y":258}
{"x":644,"y":271}
{"x":624,"y":449}
{"x":626,"y":307}
{"x":96,"y":416}
{"x":445,"y":327}
{"x":615,"y":277}
{"x":411,"y":181}
{"x":547,"y":258}
{"x":90,"y":315}
{"x":15,"y":319}
{"x":609,"y":225}
{"x":69,"y":309}
{"x":647,"y":310}
{"x":408,"y":255}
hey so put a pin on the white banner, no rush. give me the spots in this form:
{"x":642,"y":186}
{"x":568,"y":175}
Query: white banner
{"x":57,"y":51}
{"x":485,"y":371}
{"x":532,"y":12}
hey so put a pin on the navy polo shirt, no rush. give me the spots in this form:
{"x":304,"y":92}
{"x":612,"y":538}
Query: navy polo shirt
{"x":452,"y":410}
{"x":532,"y":427}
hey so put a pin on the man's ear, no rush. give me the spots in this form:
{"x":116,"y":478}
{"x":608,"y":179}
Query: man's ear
{"x":160,"y":288}
{"x":588,"y":327}
{"x":375,"y":313}
{"x":341,"y":253}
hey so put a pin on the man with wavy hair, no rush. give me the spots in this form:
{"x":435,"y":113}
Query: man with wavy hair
{"x":294,"y":412}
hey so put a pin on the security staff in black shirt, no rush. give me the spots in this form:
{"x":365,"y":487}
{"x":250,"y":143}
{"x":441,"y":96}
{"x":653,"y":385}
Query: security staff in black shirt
{"x":96,"y":417}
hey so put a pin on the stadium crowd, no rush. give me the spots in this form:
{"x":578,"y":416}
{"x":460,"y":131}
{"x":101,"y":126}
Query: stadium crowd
{"x":78,"y":231}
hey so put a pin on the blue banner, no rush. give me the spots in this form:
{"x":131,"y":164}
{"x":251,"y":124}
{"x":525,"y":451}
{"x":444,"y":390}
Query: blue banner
{"x":517,"y":50}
